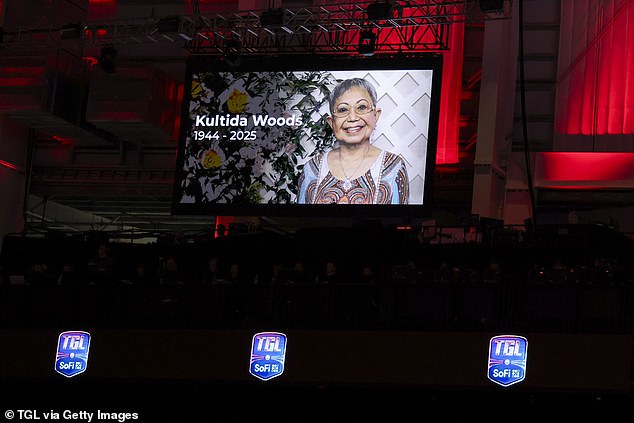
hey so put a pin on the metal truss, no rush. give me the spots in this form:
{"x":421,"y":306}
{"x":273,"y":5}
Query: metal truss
{"x":411,"y":26}
{"x":405,"y":26}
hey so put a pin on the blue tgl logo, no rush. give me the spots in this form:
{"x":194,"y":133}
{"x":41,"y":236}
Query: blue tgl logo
{"x":72,"y":353}
{"x":268,"y":351}
{"x":507,"y":359}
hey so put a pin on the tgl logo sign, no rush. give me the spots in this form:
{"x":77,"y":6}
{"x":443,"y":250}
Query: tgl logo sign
{"x":507,"y":359}
{"x":72,"y":353}
{"x":268,"y":351}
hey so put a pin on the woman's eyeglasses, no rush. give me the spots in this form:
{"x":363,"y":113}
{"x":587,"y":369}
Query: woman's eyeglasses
{"x":343,"y":110}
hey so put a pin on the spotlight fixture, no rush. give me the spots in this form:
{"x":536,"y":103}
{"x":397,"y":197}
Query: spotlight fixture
{"x":367,"y":42}
{"x":272,"y":17}
{"x":108,"y":59}
{"x":491,"y":6}
{"x":379,"y":10}
{"x":232,"y":52}
{"x":95,"y":32}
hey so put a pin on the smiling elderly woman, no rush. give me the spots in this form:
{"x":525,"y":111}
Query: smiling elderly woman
{"x":355,"y":172}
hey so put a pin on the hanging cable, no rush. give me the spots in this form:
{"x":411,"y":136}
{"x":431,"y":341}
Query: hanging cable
{"x":527,"y":156}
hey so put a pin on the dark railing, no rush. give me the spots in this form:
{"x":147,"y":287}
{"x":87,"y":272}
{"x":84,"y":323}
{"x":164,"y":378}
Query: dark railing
{"x":431,"y":307}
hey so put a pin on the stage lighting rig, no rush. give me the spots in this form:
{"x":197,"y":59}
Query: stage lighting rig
{"x":367,"y":42}
{"x":380,"y":10}
{"x":232,"y":52}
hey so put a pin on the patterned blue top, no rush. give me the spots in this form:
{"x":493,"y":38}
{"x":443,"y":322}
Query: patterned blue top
{"x":386,"y":182}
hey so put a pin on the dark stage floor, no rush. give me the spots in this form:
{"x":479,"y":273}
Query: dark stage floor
{"x":157,"y":401}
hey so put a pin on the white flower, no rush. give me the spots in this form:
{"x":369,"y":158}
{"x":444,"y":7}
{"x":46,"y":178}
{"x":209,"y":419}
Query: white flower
{"x":207,"y":94}
{"x":249,"y":152}
{"x":268,"y":144}
{"x":258,"y":166}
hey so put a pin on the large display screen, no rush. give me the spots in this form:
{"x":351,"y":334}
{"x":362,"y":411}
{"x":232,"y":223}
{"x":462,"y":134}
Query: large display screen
{"x":317,"y":135}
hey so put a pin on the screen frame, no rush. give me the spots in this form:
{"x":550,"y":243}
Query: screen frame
{"x":315,"y":62}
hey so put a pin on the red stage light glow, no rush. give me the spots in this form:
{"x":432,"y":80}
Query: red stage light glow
{"x":9,"y":165}
{"x":584,"y":170}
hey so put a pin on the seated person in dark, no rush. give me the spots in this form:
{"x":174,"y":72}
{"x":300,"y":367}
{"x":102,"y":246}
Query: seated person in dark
{"x":101,"y":268}
{"x":142,"y":276}
{"x":170,"y":273}
{"x":299,"y":274}
{"x":213,"y":273}
{"x":330,"y":273}
{"x":238,"y":274}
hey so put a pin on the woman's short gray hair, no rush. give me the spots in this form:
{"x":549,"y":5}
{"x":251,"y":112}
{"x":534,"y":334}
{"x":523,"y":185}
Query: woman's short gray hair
{"x":345,"y":85}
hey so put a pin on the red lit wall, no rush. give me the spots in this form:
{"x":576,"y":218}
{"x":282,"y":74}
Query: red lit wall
{"x":448,"y":125}
{"x":595,"y":84}
{"x":584,"y":170}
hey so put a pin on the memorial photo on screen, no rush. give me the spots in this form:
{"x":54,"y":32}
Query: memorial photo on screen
{"x":250,"y":136}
